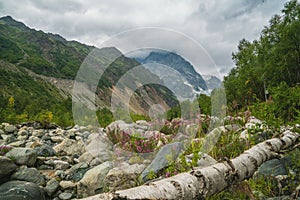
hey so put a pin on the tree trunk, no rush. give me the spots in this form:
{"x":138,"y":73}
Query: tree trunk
{"x":200,"y":183}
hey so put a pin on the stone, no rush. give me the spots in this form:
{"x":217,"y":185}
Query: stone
{"x":98,"y":144}
{"x":51,"y":186}
{"x":9,"y":139}
{"x":69,"y":147}
{"x":275,"y":167}
{"x":244,"y":135}
{"x":92,"y":181}
{"x":20,"y":190}
{"x":86,"y":157}
{"x":65,"y":195}
{"x":254,"y":120}
{"x":22,"y":156}
{"x":7,"y":166}
{"x":77,"y":171}
{"x":123,"y":176}
{"x":38,"y":133}
{"x":22,"y":137}
{"x":20,"y":143}
{"x":57,"y":139}
{"x":170,"y":151}
{"x":62,"y":174}
{"x":29,"y":175}
{"x":205,"y":160}
{"x":280,"y":198}
{"x":67,"y":185}
{"x":61,"y":165}
{"x":9,"y":128}
{"x":22,"y":132}
{"x":45,"y":151}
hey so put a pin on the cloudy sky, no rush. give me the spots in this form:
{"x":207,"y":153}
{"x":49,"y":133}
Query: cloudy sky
{"x":217,"y":25}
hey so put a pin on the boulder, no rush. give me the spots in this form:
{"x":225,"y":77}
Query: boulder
{"x":275,"y":167}
{"x":29,"y":175}
{"x":9,"y":128}
{"x":22,"y":156}
{"x":7,"y":166}
{"x":51,"y":186}
{"x":65,"y":196}
{"x":170,"y":151}
{"x":77,"y":171}
{"x":92,"y":181}
{"x":61,"y":165}
{"x":20,"y":190}
{"x":98,"y":146}
{"x":70,"y":147}
{"x":67,"y":185}
{"x":123,"y":176}
{"x":45,"y":151}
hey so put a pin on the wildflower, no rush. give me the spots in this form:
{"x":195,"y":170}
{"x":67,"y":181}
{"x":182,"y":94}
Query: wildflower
{"x":139,"y":149}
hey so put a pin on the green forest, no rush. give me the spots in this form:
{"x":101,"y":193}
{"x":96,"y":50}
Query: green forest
{"x":267,"y":74}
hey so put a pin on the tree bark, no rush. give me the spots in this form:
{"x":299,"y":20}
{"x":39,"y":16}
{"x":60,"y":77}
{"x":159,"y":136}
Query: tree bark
{"x":201,"y":183}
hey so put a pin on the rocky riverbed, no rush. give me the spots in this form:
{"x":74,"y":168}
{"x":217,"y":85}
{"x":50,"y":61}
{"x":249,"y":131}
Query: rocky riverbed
{"x":81,"y":161}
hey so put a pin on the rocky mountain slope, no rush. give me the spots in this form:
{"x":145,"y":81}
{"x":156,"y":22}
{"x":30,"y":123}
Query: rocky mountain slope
{"x":50,"y":62}
{"x":212,"y":82}
{"x":182,"y":78}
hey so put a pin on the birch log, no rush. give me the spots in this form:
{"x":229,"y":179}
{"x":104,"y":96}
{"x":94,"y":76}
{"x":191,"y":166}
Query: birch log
{"x":200,"y":183}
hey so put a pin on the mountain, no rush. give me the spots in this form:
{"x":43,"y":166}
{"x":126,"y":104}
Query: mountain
{"x":212,"y":82}
{"x":38,"y":70}
{"x":182,"y":78}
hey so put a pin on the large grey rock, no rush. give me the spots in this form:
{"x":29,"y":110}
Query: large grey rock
{"x":66,"y":185}
{"x":22,"y":156}
{"x":121,"y":125}
{"x":7,"y":166}
{"x":92,"y":182}
{"x":45,"y":151}
{"x":280,"y":198}
{"x":77,"y":171}
{"x":206,"y":160}
{"x":123,"y":176}
{"x":70,"y":147}
{"x":61,"y":165}
{"x":29,"y":175}
{"x":8,"y":139}
{"x":51,"y":186}
{"x":99,"y":146}
{"x":275,"y":167}
{"x":20,"y":190}
{"x":86,"y":157}
{"x":65,"y":195}
{"x":9,"y":128}
{"x":170,"y":151}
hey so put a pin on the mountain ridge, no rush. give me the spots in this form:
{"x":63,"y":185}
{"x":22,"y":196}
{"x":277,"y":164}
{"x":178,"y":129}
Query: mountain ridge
{"x":51,"y":62}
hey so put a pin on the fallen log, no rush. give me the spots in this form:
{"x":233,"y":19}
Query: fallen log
{"x":204,"y":182}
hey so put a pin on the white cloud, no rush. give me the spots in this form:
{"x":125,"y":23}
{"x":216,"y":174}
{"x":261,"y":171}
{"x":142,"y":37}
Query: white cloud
{"x":216,"y":24}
